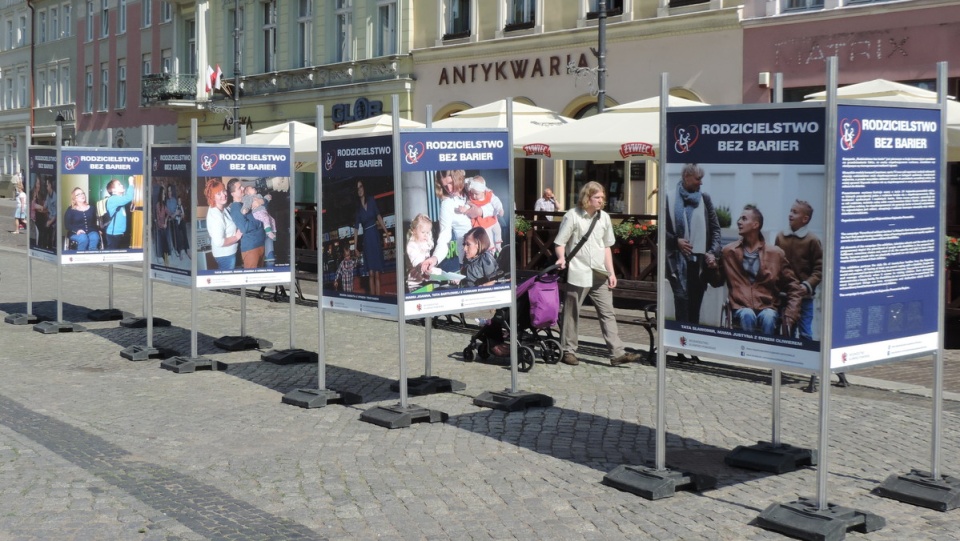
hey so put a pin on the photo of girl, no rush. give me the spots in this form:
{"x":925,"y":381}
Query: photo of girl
{"x":419,"y":246}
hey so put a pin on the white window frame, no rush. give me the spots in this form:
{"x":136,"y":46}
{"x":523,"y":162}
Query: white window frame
{"x":104,"y":18}
{"x":166,"y":12}
{"x":89,"y":22}
{"x":23,"y":90}
{"x":505,"y":16}
{"x":166,"y":61}
{"x":190,"y":29}
{"x":66,"y":20}
{"x":104,"y":86}
{"x":304,"y":33}
{"x":343,"y":30}
{"x":54,"y":84}
{"x":23,"y":35}
{"x":88,"y":96}
{"x":66,"y":94}
{"x":122,"y":17}
{"x":42,"y":87}
{"x":121,"y":83}
{"x":268,"y":35}
{"x":445,"y":19}
{"x":146,"y":64}
{"x":387,"y":35}
{"x":42,"y":26}
{"x":9,"y":97}
{"x":54,"y":23}
{"x":801,"y":5}
{"x":626,"y":7}
{"x":10,"y":34}
{"x":146,"y":7}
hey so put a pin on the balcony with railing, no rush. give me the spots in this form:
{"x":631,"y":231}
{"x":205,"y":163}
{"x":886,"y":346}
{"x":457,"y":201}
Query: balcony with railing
{"x":157,"y":88}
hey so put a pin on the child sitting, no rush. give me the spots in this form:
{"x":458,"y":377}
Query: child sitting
{"x":479,"y":265}
{"x":483,"y":198}
{"x":256,"y":203}
{"x":419,"y":247}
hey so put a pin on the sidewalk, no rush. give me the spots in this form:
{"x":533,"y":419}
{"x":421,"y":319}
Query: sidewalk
{"x":93,"y":446}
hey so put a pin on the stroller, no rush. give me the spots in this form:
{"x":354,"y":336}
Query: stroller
{"x":538,"y":309}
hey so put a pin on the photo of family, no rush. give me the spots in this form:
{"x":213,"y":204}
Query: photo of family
{"x":245,"y":223}
{"x":170,"y":223}
{"x":455,"y":238}
{"x":744,"y":248}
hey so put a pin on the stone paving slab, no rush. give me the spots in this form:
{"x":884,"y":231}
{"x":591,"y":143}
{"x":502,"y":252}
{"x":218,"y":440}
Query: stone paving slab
{"x":93,"y":446}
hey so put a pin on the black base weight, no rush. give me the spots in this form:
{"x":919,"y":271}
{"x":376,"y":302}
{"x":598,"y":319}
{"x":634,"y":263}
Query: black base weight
{"x":921,"y":489}
{"x":512,"y":401}
{"x":804,"y":520}
{"x":318,"y":398}
{"x":770,"y":457}
{"x":652,"y":484}
{"x":425,"y":385}
{"x":54,"y":327}
{"x":188,"y":365}
{"x":21,"y":319}
{"x":401,"y":417}
{"x":144,"y":353}
{"x":141,"y":322}
{"x":241,"y":343}
{"x":106,"y":314}
{"x":289,"y":356}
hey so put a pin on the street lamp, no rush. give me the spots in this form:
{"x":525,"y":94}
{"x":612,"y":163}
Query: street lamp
{"x":60,"y":120}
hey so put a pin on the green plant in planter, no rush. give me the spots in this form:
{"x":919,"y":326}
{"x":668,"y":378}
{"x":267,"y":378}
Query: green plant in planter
{"x":723,"y":216}
{"x":631,"y":231}
{"x":523,"y":226}
{"x":953,"y":253}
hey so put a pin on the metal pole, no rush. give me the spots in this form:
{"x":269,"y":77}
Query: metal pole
{"x":938,"y":357}
{"x":514,"y":369}
{"x":27,"y":185}
{"x":193,"y":235}
{"x":243,"y":289}
{"x":236,"y":68}
{"x":147,"y":246}
{"x":59,"y":229}
{"x":398,"y":203}
{"x":291,"y":245}
{"x":661,"y":429}
{"x":110,"y":265}
{"x":428,"y":321}
{"x":318,"y":240}
{"x":602,"y":56}
{"x":828,"y":261}
{"x":775,"y":373}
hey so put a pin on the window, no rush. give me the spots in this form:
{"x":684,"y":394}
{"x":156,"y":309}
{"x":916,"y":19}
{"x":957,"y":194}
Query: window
{"x":122,"y":17}
{"x":89,"y":20}
{"x":681,"y":3}
{"x":386,"y":27}
{"x":520,"y":15}
{"x":42,"y":26}
{"x":67,"y":16}
{"x":145,"y":67}
{"x":104,"y":86}
{"x":88,"y":87}
{"x":343,"y":15}
{"x":121,"y":83}
{"x":305,"y":33}
{"x":269,"y":29}
{"x":54,"y":23}
{"x":8,"y":96}
{"x":22,"y":36}
{"x":10,"y":35}
{"x":42,"y":89}
{"x":146,"y":7}
{"x":166,"y":61}
{"x":54,"y":87}
{"x":166,"y":12}
{"x":457,"y":19}
{"x":66,"y":93}
{"x":615,"y":7}
{"x":791,"y":5}
{"x":104,"y":19}
{"x":23,"y":88}
{"x":191,"y":30}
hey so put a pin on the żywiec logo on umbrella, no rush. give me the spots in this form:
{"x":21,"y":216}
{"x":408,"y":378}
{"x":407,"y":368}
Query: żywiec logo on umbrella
{"x":849,"y":133}
{"x":636,"y":149}
{"x":537,"y":149}
{"x":684,"y":138}
{"x":71,"y":162}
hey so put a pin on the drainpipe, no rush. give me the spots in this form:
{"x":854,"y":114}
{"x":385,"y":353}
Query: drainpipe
{"x":32,"y":82}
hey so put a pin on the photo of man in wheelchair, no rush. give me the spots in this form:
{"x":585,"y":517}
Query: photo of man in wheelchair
{"x":764,"y":294}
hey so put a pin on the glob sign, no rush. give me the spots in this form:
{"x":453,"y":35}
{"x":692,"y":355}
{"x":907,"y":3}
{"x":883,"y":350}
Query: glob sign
{"x":362,"y":108}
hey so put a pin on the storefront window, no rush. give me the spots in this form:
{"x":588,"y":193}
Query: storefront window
{"x":608,"y":174}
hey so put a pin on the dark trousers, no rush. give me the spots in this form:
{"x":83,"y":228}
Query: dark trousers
{"x":687,"y":309}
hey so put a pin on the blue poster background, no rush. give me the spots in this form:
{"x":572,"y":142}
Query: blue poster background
{"x":889,"y":244}
{"x":42,"y":175}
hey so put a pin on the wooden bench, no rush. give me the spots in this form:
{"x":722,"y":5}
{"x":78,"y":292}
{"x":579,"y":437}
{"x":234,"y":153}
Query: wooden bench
{"x":307,"y":268}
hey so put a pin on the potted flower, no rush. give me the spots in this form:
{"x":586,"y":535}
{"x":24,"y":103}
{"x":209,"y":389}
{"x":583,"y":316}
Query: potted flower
{"x":631,"y":231}
{"x":523,"y":225}
{"x":953,"y":253}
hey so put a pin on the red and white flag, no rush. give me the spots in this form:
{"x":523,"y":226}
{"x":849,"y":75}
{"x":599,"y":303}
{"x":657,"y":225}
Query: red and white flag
{"x":216,"y":78}
{"x":209,"y":78}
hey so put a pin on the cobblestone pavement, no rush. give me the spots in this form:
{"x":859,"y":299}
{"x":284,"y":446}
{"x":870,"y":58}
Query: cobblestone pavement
{"x":93,"y":446}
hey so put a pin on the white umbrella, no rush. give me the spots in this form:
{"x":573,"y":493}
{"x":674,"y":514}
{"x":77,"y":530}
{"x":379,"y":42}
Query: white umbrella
{"x":527,"y":119}
{"x":381,"y":124}
{"x":304,"y":146}
{"x":626,"y":132}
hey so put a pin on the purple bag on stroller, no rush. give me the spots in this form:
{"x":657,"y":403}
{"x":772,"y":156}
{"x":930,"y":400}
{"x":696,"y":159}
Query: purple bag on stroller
{"x":543,"y":293}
